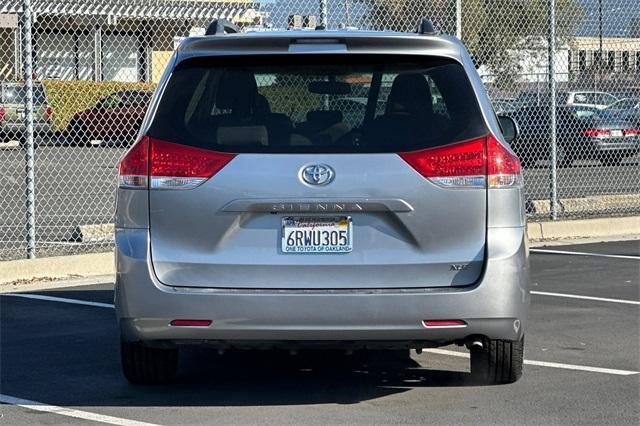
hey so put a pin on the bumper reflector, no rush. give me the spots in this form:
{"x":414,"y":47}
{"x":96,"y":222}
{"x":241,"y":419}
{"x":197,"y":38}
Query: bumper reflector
{"x":190,"y":323}
{"x":444,"y":323}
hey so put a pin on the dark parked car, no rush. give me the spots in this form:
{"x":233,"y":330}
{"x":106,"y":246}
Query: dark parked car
{"x":626,"y":109}
{"x":115,"y":119}
{"x":582,"y":133}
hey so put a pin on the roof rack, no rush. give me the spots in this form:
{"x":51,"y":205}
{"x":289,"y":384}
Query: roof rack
{"x":221,"y":27}
{"x":426,"y":27}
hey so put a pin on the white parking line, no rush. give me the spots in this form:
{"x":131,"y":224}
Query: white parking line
{"x":577,"y":296}
{"x":435,"y":351}
{"x":59,"y":299}
{"x":579,"y":253}
{"x":547,"y":364}
{"x":70,"y":412}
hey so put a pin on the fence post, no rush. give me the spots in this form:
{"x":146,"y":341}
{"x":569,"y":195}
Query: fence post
{"x":553,"y":176}
{"x":323,"y":13}
{"x":459,"y":19}
{"x":27,"y":58}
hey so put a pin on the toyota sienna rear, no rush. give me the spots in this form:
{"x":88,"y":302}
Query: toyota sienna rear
{"x":338,"y":189}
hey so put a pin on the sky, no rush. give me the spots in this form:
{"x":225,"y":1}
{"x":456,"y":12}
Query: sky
{"x":616,"y":14}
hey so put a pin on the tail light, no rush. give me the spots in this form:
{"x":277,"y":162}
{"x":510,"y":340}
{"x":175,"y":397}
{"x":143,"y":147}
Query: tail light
{"x":165,"y":165}
{"x":474,"y":163}
{"x":597,"y":133}
{"x":49,"y":113}
{"x":2,"y":113}
{"x":630,"y":132}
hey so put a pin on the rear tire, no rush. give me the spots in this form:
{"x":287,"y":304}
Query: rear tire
{"x":497,"y":362}
{"x":146,"y":365}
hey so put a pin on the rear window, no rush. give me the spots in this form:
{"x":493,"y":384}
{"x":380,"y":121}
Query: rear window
{"x":318,"y":104}
{"x":16,"y":94}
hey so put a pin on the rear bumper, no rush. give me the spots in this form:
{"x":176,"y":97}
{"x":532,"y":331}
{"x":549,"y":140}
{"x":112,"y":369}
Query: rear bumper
{"x":17,"y":129}
{"x":496,"y":307}
{"x":629,"y":145}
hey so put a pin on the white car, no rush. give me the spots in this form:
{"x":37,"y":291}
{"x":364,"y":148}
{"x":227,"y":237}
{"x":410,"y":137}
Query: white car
{"x":591,"y":99}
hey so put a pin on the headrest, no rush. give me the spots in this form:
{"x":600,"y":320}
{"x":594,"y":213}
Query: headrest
{"x":410,"y":93}
{"x":237,"y":91}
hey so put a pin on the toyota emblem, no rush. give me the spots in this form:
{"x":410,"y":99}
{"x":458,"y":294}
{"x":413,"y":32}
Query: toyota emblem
{"x":317,"y":174}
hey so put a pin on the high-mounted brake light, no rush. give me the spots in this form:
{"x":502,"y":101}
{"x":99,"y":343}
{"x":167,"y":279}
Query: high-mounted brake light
{"x":165,"y":165}
{"x":476,"y":163}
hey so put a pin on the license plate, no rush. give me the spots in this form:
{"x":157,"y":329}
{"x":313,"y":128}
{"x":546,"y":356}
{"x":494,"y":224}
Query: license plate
{"x":317,"y":234}
{"x":616,"y":133}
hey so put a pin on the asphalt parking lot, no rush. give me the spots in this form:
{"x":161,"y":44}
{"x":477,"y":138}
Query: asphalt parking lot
{"x":60,"y":364}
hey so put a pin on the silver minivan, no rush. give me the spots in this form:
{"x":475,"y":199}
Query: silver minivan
{"x":252,"y":215}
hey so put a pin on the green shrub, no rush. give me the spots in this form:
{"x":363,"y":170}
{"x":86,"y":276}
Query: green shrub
{"x":67,"y":98}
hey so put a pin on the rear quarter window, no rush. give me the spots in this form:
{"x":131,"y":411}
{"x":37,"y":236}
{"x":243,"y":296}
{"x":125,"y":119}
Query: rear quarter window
{"x":16,"y":94}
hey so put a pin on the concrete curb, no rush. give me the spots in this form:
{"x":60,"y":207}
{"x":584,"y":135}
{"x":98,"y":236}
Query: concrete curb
{"x":586,"y":205}
{"x":56,"y":268}
{"x":47,"y":272}
{"x":585,"y":228}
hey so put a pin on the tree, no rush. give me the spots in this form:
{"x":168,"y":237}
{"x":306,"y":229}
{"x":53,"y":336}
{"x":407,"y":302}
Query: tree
{"x":494,"y":31}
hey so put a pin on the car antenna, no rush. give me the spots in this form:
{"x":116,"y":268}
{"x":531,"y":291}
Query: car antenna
{"x":426,"y":27}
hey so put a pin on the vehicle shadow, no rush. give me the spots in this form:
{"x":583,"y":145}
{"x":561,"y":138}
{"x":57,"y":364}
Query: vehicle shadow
{"x":68,"y":355}
{"x":255,"y":378}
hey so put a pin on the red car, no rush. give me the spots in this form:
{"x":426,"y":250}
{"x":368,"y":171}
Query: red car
{"x":114,"y":120}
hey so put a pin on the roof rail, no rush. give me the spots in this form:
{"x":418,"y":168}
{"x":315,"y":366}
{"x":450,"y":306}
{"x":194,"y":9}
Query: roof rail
{"x":426,"y":27}
{"x":221,"y":27}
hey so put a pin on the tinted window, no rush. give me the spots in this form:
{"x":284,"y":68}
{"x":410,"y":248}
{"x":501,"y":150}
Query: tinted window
{"x":318,"y":104}
{"x":16,"y":94}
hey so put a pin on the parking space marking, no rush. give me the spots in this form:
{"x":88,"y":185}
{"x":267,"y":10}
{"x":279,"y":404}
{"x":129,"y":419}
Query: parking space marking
{"x":580,"y":253}
{"x":577,"y":296}
{"x":60,"y":299}
{"x":559,"y":365}
{"x":70,"y":412}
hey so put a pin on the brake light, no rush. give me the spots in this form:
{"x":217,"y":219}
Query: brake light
{"x":169,"y":165}
{"x":133,"y":170}
{"x":468,"y":164}
{"x":630,"y":132}
{"x":2,"y":113}
{"x":597,"y":133}
{"x":49,"y":113}
{"x":504,"y":169}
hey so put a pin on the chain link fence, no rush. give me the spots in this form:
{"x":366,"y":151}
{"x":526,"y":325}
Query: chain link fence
{"x":79,"y":74}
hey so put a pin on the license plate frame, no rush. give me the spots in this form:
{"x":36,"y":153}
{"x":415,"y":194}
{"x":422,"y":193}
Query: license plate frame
{"x":310,"y":230}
